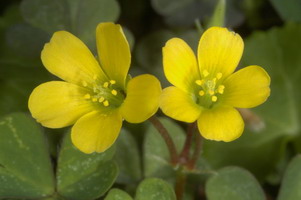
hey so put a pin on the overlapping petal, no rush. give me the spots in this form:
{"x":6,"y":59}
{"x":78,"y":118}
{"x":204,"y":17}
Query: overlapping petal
{"x":221,"y":124}
{"x":113,"y":51}
{"x":219,"y":51}
{"x":179,"y":105}
{"x":68,"y":58}
{"x":142,"y":99}
{"x":58,"y":104}
{"x":96,"y":131}
{"x":246,"y":88}
{"x":180,"y":65}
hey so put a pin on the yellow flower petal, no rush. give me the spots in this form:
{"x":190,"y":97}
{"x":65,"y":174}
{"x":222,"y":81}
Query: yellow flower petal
{"x":96,"y":132}
{"x":142,"y":100}
{"x":246,"y":88}
{"x":180,"y":65}
{"x":219,"y":51}
{"x":68,"y":58}
{"x":113,"y":51}
{"x":221,"y":124}
{"x":58,"y":104}
{"x":179,"y":105}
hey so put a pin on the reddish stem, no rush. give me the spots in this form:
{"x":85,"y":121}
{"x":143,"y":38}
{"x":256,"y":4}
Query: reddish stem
{"x":196,"y":154}
{"x":165,"y":135}
{"x":184,"y":156}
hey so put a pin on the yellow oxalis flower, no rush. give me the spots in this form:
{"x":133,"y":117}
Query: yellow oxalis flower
{"x":95,"y":99}
{"x":206,"y":89}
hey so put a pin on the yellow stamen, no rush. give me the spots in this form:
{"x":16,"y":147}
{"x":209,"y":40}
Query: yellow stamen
{"x":114,"y":92}
{"x":214,"y":98}
{"x":211,"y":92}
{"x":95,"y":77}
{"x":201,"y":93}
{"x":106,"y":103}
{"x":112,"y":82}
{"x":101,"y":99}
{"x":87,"y":96}
{"x":220,"y":89}
{"x":205,"y":73}
{"x":219,"y":75}
{"x":106,"y":84}
{"x":85,"y":84}
{"x":94,"y":99}
{"x":199,"y":82}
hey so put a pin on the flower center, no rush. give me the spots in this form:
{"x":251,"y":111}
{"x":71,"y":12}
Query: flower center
{"x":210,"y":89}
{"x":105,"y":94}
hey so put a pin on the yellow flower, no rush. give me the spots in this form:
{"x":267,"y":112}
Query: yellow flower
{"x":207,"y":90}
{"x":95,"y":99}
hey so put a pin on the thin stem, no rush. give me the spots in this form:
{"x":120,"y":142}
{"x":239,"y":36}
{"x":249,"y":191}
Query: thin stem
{"x":180,"y":184}
{"x":199,"y":27}
{"x":165,"y":135}
{"x":184,"y":156}
{"x":196,"y":154}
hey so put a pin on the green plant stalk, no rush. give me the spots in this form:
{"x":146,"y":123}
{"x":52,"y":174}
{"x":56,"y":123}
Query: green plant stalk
{"x":180,"y":183}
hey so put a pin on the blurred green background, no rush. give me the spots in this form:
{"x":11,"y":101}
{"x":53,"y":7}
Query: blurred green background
{"x":40,"y":163}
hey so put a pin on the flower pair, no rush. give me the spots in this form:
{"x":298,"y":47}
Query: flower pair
{"x":96,"y":96}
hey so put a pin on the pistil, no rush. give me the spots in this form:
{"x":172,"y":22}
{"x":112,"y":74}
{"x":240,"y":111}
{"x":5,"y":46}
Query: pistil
{"x":105,"y":93}
{"x":210,"y":90}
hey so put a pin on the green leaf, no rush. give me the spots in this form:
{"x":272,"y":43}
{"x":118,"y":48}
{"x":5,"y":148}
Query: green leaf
{"x":84,"y":176}
{"x":183,"y":13}
{"x":218,"y":17}
{"x":154,"y":189}
{"x":167,"y":7}
{"x":129,"y":36}
{"x":23,"y":35}
{"x":128,"y":158}
{"x":79,"y":17}
{"x":291,"y":184}
{"x":17,"y":82}
{"x":233,"y":183}
{"x":186,"y":15}
{"x":116,"y":194}
{"x":25,"y":166}
{"x":289,"y":10}
{"x":90,"y":14}
{"x":156,"y":155}
{"x":277,"y":51}
{"x":48,"y":15}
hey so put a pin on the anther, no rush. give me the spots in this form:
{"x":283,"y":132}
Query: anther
{"x":101,"y":99}
{"x":85,"y":84}
{"x":220,"y":89}
{"x":114,"y":92}
{"x":219,"y":75}
{"x":211,"y":92}
{"x":106,"y":103}
{"x":106,"y":84}
{"x":94,"y":99}
{"x":201,"y":93}
{"x":205,"y":73}
{"x":95,"y":77}
{"x":199,"y":82}
{"x":214,"y":98}
{"x":87,"y":96}
{"x":112,"y":82}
